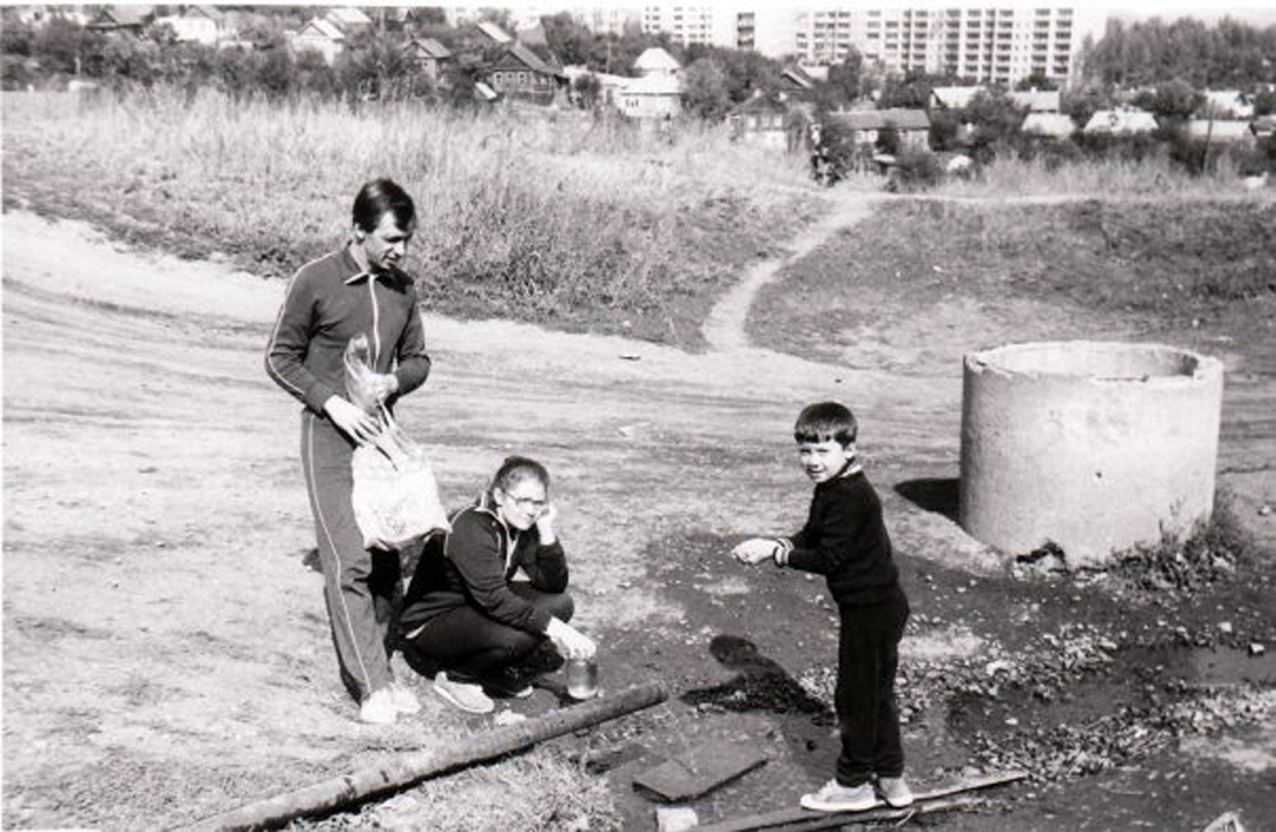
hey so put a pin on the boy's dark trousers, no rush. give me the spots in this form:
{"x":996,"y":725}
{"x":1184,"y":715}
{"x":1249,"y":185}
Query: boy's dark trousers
{"x":867,"y":657}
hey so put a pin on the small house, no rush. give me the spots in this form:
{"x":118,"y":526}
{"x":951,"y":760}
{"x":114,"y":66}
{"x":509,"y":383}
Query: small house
{"x":866,"y":126}
{"x":1229,"y":104}
{"x":1263,"y":127}
{"x":1048,"y":125}
{"x":520,"y":73}
{"x":1229,"y":131}
{"x":429,"y":56}
{"x":651,"y":96}
{"x":321,"y":36}
{"x":127,"y":19}
{"x":762,"y":120}
{"x":1037,"y":101}
{"x":349,"y":20}
{"x":1126,"y":122}
{"x":953,"y":98}
{"x":198,"y":24}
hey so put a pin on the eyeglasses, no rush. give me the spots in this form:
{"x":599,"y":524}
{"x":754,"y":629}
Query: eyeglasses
{"x":527,"y":502}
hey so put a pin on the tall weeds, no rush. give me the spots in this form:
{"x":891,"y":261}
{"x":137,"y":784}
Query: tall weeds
{"x":523,"y":213}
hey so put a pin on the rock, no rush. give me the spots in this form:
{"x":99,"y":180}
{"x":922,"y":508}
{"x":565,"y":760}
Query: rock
{"x":1256,"y":649}
{"x":1225,"y":627}
{"x":1264,"y":510}
{"x":677,"y":819}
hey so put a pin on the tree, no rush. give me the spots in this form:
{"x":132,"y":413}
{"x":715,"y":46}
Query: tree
{"x":1036,"y":81}
{"x":587,"y":88}
{"x":1174,"y":100}
{"x":1265,"y":102}
{"x":843,"y":85}
{"x":704,"y":92}
{"x":570,"y":41}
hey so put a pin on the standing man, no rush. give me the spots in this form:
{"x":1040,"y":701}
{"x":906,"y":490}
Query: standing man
{"x":357,"y":290}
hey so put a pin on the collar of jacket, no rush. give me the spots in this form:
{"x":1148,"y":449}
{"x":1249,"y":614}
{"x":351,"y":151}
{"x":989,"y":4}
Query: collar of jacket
{"x":347,"y":260}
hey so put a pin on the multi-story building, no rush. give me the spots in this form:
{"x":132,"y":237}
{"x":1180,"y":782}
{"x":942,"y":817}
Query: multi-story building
{"x":989,"y":41}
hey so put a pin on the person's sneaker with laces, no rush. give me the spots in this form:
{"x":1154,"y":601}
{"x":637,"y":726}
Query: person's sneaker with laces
{"x":464,"y":695}
{"x":508,"y":684}
{"x":895,"y":791}
{"x":378,"y":708}
{"x":405,"y":700}
{"x":834,"y":797}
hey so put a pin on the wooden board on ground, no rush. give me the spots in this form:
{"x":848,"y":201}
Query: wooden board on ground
{"x":700,"y":770}
{"x":798,"y":818}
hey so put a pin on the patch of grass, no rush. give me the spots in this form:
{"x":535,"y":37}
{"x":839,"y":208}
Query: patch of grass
{"x":553,"y":218}
{"x":1170,"y":260}
{"x":539,"y":790}
{"x":1211,"y":552}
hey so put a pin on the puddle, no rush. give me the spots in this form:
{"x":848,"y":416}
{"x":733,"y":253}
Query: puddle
{"x":1226,"y":666}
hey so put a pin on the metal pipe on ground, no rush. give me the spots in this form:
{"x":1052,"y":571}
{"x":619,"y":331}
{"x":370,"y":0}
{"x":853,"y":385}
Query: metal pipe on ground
{"x":407,"y":769}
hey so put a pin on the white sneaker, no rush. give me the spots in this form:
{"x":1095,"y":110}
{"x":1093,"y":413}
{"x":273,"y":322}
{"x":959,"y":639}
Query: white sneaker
{"x":895,"y":791}
{"x":405,"y":701}
{"x":465,"y":696}
{"x":379,"y":708}
{"x":834,"y":797}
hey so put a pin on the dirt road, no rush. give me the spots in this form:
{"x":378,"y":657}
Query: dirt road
{"x":166,"y":653}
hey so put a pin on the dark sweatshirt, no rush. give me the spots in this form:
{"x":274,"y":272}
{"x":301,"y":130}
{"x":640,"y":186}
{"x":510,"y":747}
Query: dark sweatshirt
{"x":330,"y":301}
{"x":845,"y":540}
{"x":473,"y":565}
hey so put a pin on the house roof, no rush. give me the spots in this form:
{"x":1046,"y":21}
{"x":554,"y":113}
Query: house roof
{"x":1056,"y":125}
{"x":954,"y":98}
{"x":760,"y":102}
{"x":522,"y":55}
{"x":494,"y":32}
{"x":348,"y":16}
{"x":899,"y":118}
{"x":119,"y":16}
{"x":1037,"y":101}
{"x":483,"y":92}
{"x":797,"y":76}
{"x":1230,"y":100}
{"x":1222,"y":130}
{"x":654,"y":85}
{"x":430,"y":48}
{"x":319,"y":27}
{"x":655,"y":59}
{"x":1121,"y":121}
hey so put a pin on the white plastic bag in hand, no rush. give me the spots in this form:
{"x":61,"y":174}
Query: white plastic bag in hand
{"x":395,"y":496}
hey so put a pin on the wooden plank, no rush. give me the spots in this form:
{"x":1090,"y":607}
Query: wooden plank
{"x":838,"y":821}
{"x":786,"y":817}
{"x":700,"y":770}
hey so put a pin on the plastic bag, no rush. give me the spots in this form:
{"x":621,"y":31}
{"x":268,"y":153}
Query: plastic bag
{"x":395,"y":496}
{"x":361,"y":388}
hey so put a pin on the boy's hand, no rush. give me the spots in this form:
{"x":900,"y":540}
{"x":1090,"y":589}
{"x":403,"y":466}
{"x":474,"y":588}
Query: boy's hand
{"x":754,"y":550}
{"x":545,"y":525}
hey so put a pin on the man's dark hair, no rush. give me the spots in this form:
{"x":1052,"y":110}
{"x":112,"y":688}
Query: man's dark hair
{"x":823,"y":421}
{"x":379,"y":197}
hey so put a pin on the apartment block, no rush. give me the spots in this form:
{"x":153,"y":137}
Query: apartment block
{"x":688,"y":23}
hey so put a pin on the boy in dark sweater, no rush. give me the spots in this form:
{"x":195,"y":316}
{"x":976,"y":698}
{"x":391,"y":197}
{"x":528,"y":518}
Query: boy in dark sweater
{"x":845,"y":540}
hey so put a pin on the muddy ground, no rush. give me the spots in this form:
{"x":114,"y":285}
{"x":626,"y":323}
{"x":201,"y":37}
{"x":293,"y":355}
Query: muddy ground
{"x":166,"y":653}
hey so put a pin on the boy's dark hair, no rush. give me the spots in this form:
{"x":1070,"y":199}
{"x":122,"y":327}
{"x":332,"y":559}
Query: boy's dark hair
{"x":379,"y":197}
{"x":823,"y":421}
{"x":515,"y":469}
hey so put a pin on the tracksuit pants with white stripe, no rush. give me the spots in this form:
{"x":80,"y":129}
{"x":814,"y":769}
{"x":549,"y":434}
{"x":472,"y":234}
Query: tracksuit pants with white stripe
{"x":360,"y":585}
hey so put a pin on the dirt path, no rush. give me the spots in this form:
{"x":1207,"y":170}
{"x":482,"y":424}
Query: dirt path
{"x":165,"y":648}
{"x":724,"y":328}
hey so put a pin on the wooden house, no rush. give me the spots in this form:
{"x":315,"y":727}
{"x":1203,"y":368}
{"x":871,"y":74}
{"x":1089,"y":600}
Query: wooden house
{"x":866,"y":126}
{"x":429,"y":56}
{"x":520,"y":73}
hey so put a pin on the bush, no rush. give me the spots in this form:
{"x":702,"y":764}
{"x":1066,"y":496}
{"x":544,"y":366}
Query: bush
{"x":917,"y":170}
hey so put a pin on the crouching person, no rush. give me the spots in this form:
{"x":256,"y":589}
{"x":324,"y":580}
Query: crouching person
{"x":485,"y":596}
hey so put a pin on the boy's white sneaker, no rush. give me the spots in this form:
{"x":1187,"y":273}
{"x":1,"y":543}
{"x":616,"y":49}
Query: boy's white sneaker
{"x":834,"y":797}
{"x":467,"y":697}
{"x":378,"y":708}
{"x":405,"y":701}
{"x":895,"y":791}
